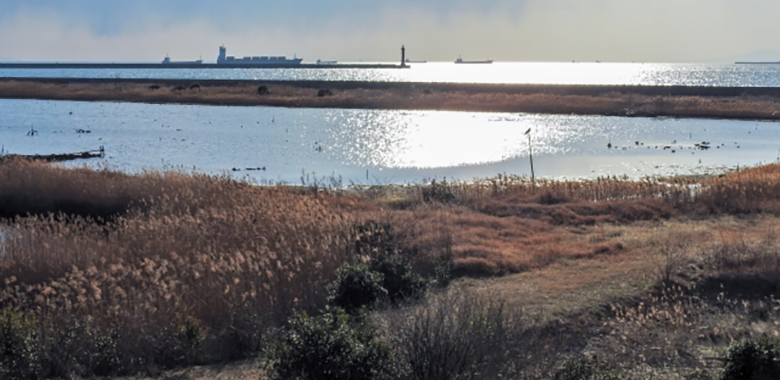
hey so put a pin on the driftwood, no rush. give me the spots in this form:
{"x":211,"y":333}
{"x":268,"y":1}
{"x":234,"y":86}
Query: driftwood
{"x":56,"y":157}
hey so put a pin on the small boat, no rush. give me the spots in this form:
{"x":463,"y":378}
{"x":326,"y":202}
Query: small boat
{"x":321,"y":62}
{"x":460,"y":60}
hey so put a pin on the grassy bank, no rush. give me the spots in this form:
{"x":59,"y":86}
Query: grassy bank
{"x":106,"y":273}
{"x":733,"y":103}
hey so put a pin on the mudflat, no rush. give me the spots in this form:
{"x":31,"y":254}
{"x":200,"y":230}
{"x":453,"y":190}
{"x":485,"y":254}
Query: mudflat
{"x":644,"y":101}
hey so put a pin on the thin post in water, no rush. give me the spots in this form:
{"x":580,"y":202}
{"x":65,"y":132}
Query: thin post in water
{"x":531,"y":157}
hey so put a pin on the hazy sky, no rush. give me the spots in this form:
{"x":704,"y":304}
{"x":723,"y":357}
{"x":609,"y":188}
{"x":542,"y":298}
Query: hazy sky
{"x":368,"y":30}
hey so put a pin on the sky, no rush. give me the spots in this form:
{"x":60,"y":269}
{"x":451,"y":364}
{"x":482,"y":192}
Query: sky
{"x":369,"y":30}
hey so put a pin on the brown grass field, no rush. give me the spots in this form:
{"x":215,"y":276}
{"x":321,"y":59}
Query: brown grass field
{"x":733,"y":103}
{"x":158,"y":271}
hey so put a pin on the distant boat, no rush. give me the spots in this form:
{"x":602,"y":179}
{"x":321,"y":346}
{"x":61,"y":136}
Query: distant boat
{"x":460,"y":60}
{"x":410,"y":61}
{"x":167,"y":61}
{"x":321,"y":62}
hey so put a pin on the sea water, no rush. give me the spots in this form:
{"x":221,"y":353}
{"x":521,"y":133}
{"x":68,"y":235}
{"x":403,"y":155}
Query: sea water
{"x":273,"y":145}
{"x":583,"y":73}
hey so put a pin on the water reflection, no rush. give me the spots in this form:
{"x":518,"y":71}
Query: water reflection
{"x":586,"y":73}
{"x":434,"y":139}
{"x":279,"y":144}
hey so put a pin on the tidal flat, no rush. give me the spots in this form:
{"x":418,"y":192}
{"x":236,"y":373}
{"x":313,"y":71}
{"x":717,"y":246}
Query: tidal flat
{"x":609,"y":100}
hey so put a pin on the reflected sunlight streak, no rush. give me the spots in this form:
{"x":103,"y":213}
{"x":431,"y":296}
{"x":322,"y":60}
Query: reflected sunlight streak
{"x":418,"y":139}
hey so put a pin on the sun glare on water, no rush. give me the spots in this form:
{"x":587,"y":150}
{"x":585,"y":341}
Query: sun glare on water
{"x":441,"y":139}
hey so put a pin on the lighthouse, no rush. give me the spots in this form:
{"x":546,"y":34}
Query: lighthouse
{"x":403,"y":55}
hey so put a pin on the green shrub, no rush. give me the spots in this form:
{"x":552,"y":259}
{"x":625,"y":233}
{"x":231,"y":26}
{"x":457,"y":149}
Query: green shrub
{"x":375,"y":244}
{"x":757,"y":359}
{"x":356,"y":287}
{"x":398,"y":278}
{"x":19,"y":346}
{"x":582,"y":367}
{"x":331,"y":346}
{"x":178,"y":343}
{"x":191,"y":334}
{"x":106,"y":358}
{"x":442,"y":272}
{"x":385,"y":278}
{"x":67,"y":347}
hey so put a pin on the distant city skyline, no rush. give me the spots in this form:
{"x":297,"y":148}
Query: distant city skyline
{"x":352,"y":30}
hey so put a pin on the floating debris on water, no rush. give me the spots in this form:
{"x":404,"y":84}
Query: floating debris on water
{"x":99,"y":153}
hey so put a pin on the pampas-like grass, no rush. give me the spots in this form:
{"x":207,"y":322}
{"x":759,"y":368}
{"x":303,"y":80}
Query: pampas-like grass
{"x":171,"y":268}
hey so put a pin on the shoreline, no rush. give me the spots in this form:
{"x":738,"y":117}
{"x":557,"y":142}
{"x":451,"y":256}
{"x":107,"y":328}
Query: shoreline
{"x":175,"y":65}
{"x":745,"y":103}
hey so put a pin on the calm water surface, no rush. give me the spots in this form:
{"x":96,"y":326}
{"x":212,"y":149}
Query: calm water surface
{"x":499,"y":72}
{"x":378,"y":146}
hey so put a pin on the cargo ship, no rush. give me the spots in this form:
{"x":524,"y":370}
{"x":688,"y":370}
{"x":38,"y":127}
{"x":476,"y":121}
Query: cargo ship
{"x":224,"y":59}
{"x":167,"y":61}
{"x":460,"y":60}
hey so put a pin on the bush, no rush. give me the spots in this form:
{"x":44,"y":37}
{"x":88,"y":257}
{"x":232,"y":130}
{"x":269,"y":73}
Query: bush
{"x":753,"y":360}
{"x":585,"y":368}
{"x":329,"y":347}
{"x":455,"y":335}
{"x":398,"y":278}
{"x":383,"y":274}
{"x":442,"y":272}
{"x":106,"y":358}
{"x":263,"y":89}
{"x":356,"y":287}
{"x":19,"y":346}
{"x":385,"y":278}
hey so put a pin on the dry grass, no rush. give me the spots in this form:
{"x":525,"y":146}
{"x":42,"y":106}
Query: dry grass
{"x":509,"y":225}
{"x":194,"y":264}
{"x":722,"y":289}
{"x":180,"y":269}
{"x":587,"y":100}
{"x":725,"y":290}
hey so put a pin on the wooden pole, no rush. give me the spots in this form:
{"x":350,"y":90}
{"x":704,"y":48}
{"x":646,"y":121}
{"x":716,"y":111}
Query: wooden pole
{"x":531,"y":157}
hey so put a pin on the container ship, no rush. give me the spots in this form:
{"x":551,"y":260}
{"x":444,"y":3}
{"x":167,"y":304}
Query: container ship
{"x":224,"y":59}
